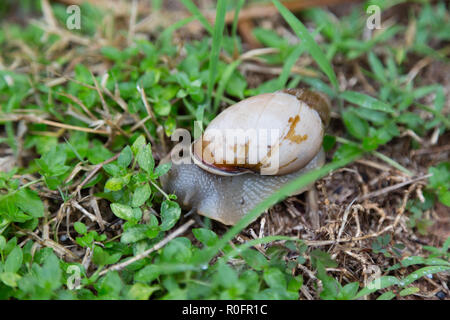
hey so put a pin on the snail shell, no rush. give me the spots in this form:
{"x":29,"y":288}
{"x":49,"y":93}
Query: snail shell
{"x":271,"y":134}
{"x":226,"y":188}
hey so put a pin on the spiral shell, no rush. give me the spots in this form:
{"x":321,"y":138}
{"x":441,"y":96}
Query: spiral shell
{"x":270,"y":134}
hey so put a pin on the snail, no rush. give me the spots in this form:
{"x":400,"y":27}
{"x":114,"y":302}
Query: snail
{"x":277,"y":137}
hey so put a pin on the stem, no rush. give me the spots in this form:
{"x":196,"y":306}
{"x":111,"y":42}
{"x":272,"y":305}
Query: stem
{"x":31,"y":183}
{"x":160,"y":190}
{"x":392,"y":163}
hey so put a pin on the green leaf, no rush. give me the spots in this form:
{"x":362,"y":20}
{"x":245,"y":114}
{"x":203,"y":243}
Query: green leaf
{"x":357,"y":127}
{"x":423,"y":272}
{"x":308,"y":42}
{"x":86,"y":240}
{"x":125,"y":157}
{"x":366,"y":101}
{"x":274,"y":278}
{"x":328,"y":142}
{"x":112,"y":169}
{"x":255,"y":259}
{"x":2,"y":242}
{"x":162,"y":169}
{"x":446,"y":245}
{"x":10,"y":210}
{"x":140,"y":195}
{"x":408,"y":291}
{"x":225,"y":275}
{"x":138,"y":144}
{"x":177,"y":250}
{"x":147,"y":274}
{"x":170,"y":125}
{"x":28,"y":201}
{"x":205,"y":236}
{"x":440,"y":181}
{"x":444,"y":197}
{"x":440,"y":175}
{"x":378,"y":284}
{"x":377,"y":117}
{"x":117,"y":183}
{"x":236,"y":87}
{"x":349,"y":291}
{"x":100,"y":256}
{"x":149,"y":79}
{"x":145,"y":159}
{"x":295,"y":283}
{"x":109,"y":287}
{"x":80,"y":227}
{"x":134,"y":233}
{"x":162,"y":108}
{"x":389,"y":295}
{"x":170,"y":213}
{"x":377,"y":67}
{"x":323,"y":257}
{"x":14,"y":260}
{"x":114,"y":184}
{"x":126,"y":212}
{"x":111,"y":53}
{"x":98,"y":153}
{"x":140,"y":291}
{"x":10,"y":278}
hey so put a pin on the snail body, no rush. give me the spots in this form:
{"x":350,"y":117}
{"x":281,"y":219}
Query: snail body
{"x":227,"y":198}
{"x":227,"y":180}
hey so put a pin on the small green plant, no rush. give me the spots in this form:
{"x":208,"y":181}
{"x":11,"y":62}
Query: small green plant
{"x":440,"y":182}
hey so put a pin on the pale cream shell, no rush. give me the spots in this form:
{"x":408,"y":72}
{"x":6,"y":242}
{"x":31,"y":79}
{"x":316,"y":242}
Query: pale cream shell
{"x":296,"y":139}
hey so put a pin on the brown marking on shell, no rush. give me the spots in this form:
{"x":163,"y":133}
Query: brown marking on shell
{"x":287,"y":164}
{"x":291,"y":133}
{"x":314,"y":100}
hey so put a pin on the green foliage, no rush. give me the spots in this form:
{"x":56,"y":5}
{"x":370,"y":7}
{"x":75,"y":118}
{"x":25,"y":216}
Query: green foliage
{"x":308,"y":42}
{"x":440,"y":182}
{"x":417,"y":209}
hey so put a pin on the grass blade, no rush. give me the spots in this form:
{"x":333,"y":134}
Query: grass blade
{"x":223,"y":82}
{"x":196,"y":12}
{"x":366,"y":101}
{"x":392,"y":163}
{"x":239,"y":6}
{"x":289,"y":63}
{"x":177,"y":25}
{"x":216,"y":45}
{"x":308,"y":42}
